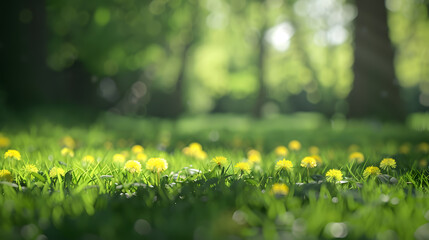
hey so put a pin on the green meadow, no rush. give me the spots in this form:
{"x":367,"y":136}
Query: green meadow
{"x":223,"y":178}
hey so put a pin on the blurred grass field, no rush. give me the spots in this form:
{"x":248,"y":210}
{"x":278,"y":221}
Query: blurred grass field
{"x":194,"y":198}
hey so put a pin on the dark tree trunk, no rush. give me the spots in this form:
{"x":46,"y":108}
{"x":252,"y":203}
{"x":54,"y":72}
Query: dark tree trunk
{"x":375,"y":90}
{"x":262,"y":92}
{"x":22,"y":47}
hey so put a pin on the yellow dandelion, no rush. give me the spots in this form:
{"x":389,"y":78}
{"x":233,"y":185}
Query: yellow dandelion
{"x":388,"y":163}
{"x":308,"y":162}
{"x":133,"y":166}
{"x":334,"y":175}
{"x":423,"y":163}
{"x":318,"y":159}
{"x":200,"y":155}
{"x":88,"y":159}
{"x":30,"y":168}
{"x":356,"y":157}
{"x":14,"y":154}
{"x":195,"y":146}
{"x":67,"y":152}
{"x":371,"y":171}
{"x":137,"y":149}
{"x":118,"y":158}
{"x":156,"y":165}
{"x":5,"y":175}
{"x":141,"y":157}
{"x":57,"y":171}
{"x":294,"y":145}
{"x":4,"y":141}
{"x":314,"y":150}
{"x":220,"y":160}
{"x":423,"y":147}
{"x":284,"y":165}
{"x":405,"y":148}
{"x":279,"y":189}
{"x":243,"y":166}
{"x":281,"y":151}
{"x":69,"y":142}
{"x":254,"y":159}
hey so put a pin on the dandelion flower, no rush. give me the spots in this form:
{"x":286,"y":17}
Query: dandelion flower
{"x":371,"y":171}
{"x":388,"y":163}
{"x":200,"y":155}
{"x":67,"y":152}
{"x":243,"y":166}
{"x":294,"y":145}
{"x":220,"y":160}
{"x":88,"y":159}
{"x":284,"y":165}
{"x":137,"y":149}
{"x":253,"y":156}
{"x":195,"y":150}
{"x":334,"y":175}
{"x":356,"y":157}
{"x":14,"y":154}
{"x":68,"y":142}
{"x":133,"y":166}
{"x":57,"y":171}
{"x":318,"y":159}
{"x":118,"y":158}
{"x":280,"y":189}
{"x":5,"y":175}
{"x":141,"y":157}
{"x":281,"y":151}
{"x":4,"y":141}
{"x":308,"y":162}
{"x":156,"y":165}
{"x":30,"y":168}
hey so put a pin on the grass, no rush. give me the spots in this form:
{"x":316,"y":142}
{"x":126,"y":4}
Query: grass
{"x":195,"y":198}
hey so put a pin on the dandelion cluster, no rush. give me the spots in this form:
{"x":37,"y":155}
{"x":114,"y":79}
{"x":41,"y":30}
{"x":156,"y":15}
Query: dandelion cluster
{"x":67,"y":152}
{"x":56,"y":172}
{"x":243,"y":166}
{"x":334,"y":175}
{"x":68,"y":142}
{"x":371,"y":171}
{"x":281,"y":151}
{"x":356,"y":157}
{"x":253,"y":156}
{"x":308,"y":162}
{"x":13,"y":154}
{"x":220,"y":160}
{"x":5,"y":175}
{"x":294,"y":145}
{"x":195,"y":150}
{"x":388,"y":163}
{"x":284,"y":165}
{"x":141,"y":157}
{"x":137,"y":149}
{"x":30,"y":168}
{"x":88,"y":159}
{"x":156,"y":165}
{"x":280,"y":189}
{"x":133,"y":166}
{"x":118,"y":158}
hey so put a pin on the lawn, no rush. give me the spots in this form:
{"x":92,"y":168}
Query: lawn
{"x":214,"y":177}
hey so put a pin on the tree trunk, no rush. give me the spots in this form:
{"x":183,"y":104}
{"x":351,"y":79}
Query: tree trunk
{"x":375,"y":92}
{"x":262,"y":92}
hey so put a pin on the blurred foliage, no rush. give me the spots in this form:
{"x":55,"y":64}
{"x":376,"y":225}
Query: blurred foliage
{"x":309,"y":55}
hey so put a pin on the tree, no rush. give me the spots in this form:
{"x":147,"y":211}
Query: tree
{"x":375,"y":91}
